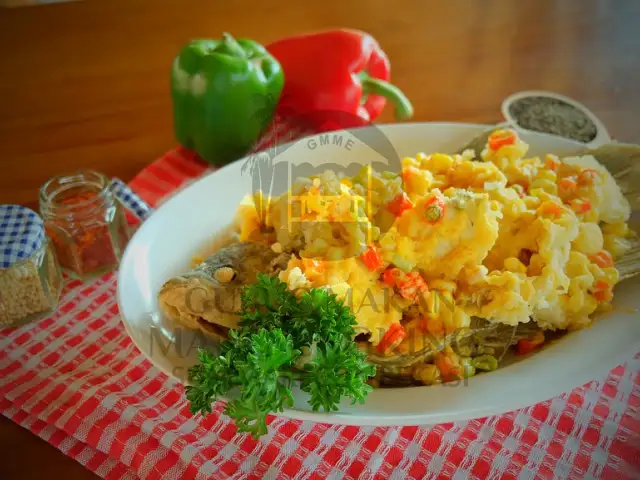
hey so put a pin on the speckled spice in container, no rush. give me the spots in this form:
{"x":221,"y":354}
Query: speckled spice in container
{"x":552,"y":115}
{"x":30,"y":277}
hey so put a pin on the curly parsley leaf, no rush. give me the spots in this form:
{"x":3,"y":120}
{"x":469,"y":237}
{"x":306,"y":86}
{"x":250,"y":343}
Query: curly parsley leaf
{"x":265,"y":374}
{"x":339,"y":369}
{"x":318,"y":316}
{"x":266,"y":304}
{"x":212,"y":377}
{"x":264,"y":357}
{"x":266,"y":294}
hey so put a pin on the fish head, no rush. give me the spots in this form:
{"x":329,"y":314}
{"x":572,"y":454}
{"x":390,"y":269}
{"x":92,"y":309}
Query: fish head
{"x":208,"y":298}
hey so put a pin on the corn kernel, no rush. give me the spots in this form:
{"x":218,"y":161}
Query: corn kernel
{"x":531,"y":202}
{"x":612,"y":275}
{"x":589,"y":239}
{"x":433,"y":303}
{"x":616,"y":246}
{"x":446,"y":298}
{"x":514,"y":152}
{"x":421,"y":157}
{"x":444,"y":285}
{"x":547,"y":175}
{"x":576,"y":301}
{"x":409,"y":162}
{"x":427,"y":374}
{"x":461,"y":319}
{"x":547,"y":185}
{"x":514,"y":265}
{"x":543,"y":195}
{"x":590,"y":304}
{"x":621,"y":229}
{"x":335,"y":253}
{"x":536,"y":264}
{"x":441,"y":162}
{"x":591,"y":216}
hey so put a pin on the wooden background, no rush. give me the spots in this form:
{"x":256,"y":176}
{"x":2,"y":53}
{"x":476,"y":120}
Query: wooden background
{"x":86,"y":84}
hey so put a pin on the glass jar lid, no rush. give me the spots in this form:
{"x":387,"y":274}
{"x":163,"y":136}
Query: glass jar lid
{"x":21,"y":234}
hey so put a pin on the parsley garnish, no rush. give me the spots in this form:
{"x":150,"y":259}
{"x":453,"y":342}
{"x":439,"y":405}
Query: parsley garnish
{"x":282,"y":339}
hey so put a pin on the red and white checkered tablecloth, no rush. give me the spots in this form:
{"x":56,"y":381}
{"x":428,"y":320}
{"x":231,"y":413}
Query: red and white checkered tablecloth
{"x":77,"y":380}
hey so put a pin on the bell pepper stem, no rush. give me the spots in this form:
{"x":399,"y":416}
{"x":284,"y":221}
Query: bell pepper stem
{"x":231,"y":46}
{"x":375,"y":86}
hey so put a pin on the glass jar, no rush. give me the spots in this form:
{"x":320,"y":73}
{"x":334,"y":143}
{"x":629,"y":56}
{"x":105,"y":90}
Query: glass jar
{"x":30,"y":276}
{"x":86,"y":223}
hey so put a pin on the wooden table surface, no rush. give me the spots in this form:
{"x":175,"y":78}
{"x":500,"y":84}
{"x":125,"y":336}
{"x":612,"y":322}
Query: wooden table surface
{"x":86,"y":85}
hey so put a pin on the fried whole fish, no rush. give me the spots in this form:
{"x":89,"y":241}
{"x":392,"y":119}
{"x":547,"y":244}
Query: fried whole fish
{"x":207,"y":298}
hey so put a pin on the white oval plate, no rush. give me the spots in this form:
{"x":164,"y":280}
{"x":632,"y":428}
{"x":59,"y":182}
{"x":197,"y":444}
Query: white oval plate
{"x":165,"y":243}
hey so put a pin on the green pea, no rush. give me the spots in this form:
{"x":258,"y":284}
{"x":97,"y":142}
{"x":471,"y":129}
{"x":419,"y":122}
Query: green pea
{"x":464,"y":350}
{"x":488,"y":363}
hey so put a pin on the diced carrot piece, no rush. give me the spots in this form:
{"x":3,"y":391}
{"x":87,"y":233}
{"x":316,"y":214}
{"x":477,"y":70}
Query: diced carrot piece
{"x":311,"y":265}
{"x":371,"y":258}
{"x":551,"y":163}
{"x":447,"y":366}
{"x":568,"y":185}
{"x":391,"y":276}
{"x":411,"y":285}
{"x":528,"y":345}
{"x":603,"y":295}
{"x":603,"y":259}
{"x":500,"y":138}
{"x":392,"y":337}
{"x":550,"y":208}
{"x":399,"y":204}
{"x":603,"y":291}
{"x":587,"y":176}
{"x":581,"y":205}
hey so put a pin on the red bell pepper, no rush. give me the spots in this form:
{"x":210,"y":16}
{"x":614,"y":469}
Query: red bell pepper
{"x":339,"y":71}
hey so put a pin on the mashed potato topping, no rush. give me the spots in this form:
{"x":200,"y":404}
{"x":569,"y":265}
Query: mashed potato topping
{"x":506,"y":237}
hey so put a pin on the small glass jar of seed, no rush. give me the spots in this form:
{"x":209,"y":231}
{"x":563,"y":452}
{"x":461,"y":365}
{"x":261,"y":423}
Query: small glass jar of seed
{"x":30,"y":277}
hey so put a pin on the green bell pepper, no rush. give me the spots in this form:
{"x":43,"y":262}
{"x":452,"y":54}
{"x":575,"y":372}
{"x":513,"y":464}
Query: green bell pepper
{"x":224,"y":95}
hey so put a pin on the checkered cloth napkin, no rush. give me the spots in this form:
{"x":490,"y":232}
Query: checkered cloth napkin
{"x":77,"y":380}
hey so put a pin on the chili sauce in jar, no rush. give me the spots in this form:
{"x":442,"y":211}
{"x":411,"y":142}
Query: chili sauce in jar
{"x":86,"y":223}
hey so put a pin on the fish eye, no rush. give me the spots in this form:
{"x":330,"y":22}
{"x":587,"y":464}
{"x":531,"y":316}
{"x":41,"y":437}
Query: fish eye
{"x":225,"y":274}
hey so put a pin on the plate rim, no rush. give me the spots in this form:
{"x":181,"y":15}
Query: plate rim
{"x":534,"y":396}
